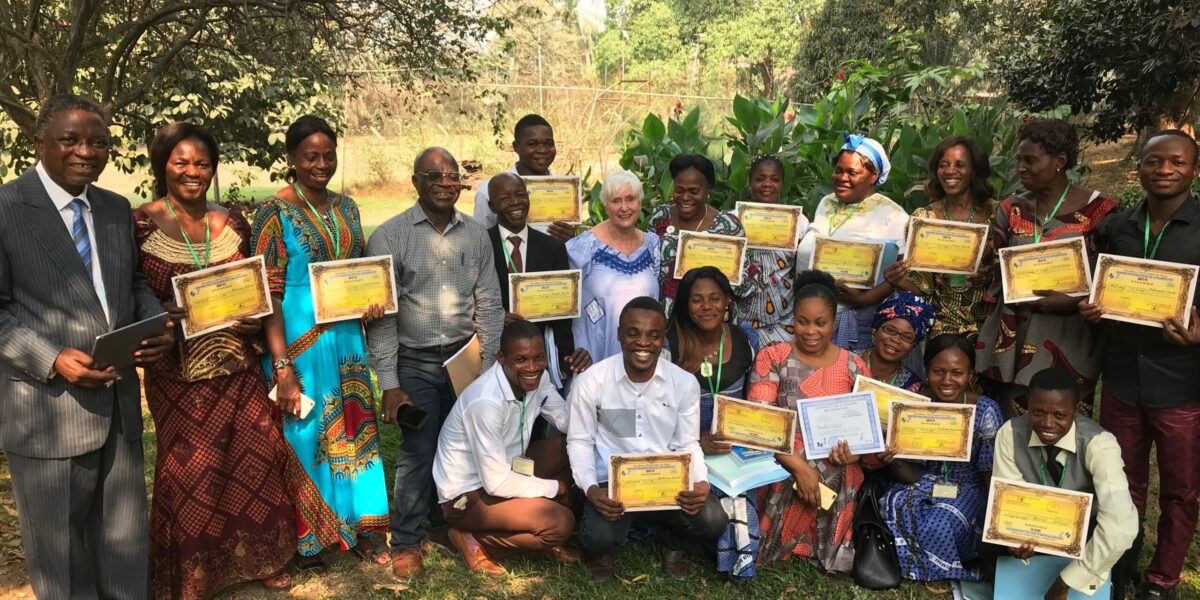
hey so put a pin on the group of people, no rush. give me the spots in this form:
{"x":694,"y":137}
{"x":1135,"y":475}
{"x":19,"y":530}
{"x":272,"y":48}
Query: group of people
{"x":247,"y":483}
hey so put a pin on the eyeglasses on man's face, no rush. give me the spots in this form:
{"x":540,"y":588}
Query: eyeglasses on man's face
{"x":434,"y":177}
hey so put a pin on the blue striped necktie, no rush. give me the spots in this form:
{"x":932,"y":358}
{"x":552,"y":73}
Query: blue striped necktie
{"x":79,"y":233}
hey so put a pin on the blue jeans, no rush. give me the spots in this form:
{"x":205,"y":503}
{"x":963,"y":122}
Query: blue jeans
{"x":424,"y":379}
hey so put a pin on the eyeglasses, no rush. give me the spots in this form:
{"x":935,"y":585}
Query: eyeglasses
{"x":894,"y":333}
{"x":432,"y":177}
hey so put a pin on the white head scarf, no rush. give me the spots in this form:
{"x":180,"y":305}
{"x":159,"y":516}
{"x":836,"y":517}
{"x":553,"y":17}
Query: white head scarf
{"x":872,"y":151}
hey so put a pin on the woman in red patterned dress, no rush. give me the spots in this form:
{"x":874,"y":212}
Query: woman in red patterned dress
{"x":221,"y":513}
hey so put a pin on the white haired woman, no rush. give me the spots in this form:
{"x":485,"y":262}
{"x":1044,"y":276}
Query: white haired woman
{"x":619,"y":263}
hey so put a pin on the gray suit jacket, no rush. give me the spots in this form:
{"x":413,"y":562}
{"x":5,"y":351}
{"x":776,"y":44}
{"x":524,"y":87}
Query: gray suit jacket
{"x":47,"y":303}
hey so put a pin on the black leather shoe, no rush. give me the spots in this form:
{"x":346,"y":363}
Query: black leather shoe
{"x":1153,"y":591}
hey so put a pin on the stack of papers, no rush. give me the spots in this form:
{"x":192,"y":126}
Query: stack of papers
{"x":742,"y":470}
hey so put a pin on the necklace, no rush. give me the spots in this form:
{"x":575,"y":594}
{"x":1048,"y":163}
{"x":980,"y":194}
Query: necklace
{"x":706,"y":368}
{"x":895,"y":374}
{"x":1039,"y":225}
{"x":958,"y":281}
{"x":188,"y":242}
{"x":698,"y":222}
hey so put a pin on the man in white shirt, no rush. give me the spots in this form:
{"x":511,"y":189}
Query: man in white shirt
{"x":500,"y":496}
{"x":1052,"y":444}
{"x":635,"y":403}
{"x":533,"y":141}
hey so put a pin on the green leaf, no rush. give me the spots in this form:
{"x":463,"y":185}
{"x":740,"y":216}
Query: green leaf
{"x":653,"y":129}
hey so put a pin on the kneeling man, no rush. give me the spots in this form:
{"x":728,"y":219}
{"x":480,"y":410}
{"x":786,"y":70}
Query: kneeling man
{"x":500,"y":497}
{"x":638,"y":403}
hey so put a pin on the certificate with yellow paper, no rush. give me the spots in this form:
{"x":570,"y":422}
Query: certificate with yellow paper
{"x":884,"y":394}
{"x":725,"y":252}
{"x":856,"y":264}
{"x":941,"y":246}
{"x":754,"y":424}
{"x":345,"y":289}
{"x":546,"y":295}
{"x":1060,"y":266}
{"x":1145,"y":292}
{"x":216,"y":297}
{"x":1055,"y":520}
{"x":931,"y":430}
{"x":554,"y":198}
{"x":771,"y":226}
{"x":649,"y":481}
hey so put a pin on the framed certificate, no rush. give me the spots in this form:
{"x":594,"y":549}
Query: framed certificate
{"x":546,"y":295}
{"x":724,"y":252}
{"x":754,"y":424}
{"x":932,"y":430}
{"x":856,"y":264}
{"x":884,"y":394}
{"x":345,"y":289}
{"x":216,"y":297}
{"x":1061,"y":266}
{"x":1055,"y":520}
{"x":827,"y":420}
{"x":554,"y":198}
{"x":1146,"y":292}
{"x":771,"y":226}
{"x":941,"y":246}
{"x":649,"y":481}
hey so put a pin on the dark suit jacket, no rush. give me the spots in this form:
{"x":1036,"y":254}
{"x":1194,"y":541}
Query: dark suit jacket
{"x":47,"y":303}
{"x":543,"y":254}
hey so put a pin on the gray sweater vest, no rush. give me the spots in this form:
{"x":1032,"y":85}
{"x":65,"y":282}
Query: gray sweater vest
{"x":1029,"y":459}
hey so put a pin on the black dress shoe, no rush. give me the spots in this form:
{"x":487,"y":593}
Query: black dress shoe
{"x":600,"y":568}
{"x":1153,"y":591}
{"x":674,"y":564}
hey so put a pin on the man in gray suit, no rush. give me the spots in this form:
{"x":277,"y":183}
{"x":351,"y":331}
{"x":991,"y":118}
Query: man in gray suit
{"x":72,"y":429}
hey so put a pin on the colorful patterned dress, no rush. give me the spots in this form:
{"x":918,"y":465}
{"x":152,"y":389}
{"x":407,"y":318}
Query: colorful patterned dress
{"x":1015,"y":341}
{"x":725,"y":223}
{"x":221,"y":513}
{"x":960,"y":309}
{"x":791,"y":527}
{"x":937,"y":538}
{"x":768,"y":308}
{"x":334,"y":470}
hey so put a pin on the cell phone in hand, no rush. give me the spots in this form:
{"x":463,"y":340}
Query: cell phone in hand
{"x":410,"y":417}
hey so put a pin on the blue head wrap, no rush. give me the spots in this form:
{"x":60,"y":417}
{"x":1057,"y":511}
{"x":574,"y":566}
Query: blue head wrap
{"x":872,"y":151}
{"x":910,"y":307}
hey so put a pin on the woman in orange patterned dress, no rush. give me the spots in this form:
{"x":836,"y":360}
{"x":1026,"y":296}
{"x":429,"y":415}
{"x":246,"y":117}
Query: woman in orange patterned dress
{"x":810,"y":366}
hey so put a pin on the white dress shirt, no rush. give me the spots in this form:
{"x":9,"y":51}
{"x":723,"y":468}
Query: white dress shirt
{"x":612,"y":415}
{"x":1117,"y":520}
{"x":482,"y":434}
{"x":483,"y":213}
{"x":524,"y":235}
{"x":62,"y":201}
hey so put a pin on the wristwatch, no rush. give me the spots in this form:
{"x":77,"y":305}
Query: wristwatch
{"x":282,"y":363}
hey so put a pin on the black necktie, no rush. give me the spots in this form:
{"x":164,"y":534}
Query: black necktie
{"x":1052,"y":467}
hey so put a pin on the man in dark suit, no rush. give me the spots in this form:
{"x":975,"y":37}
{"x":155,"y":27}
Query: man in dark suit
{"x":72,"y":429}
{"x":518,"y":248}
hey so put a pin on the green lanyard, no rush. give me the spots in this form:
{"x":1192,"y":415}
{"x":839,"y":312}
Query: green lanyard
{"x":1045,"y":477}
{"x":1038,"y":228}
{"x":187,"y":241}
{"x":895,"y":375}
{"x":1146,"y":251}
{"x":524,"y":402}
{"x":834,"y":228}
{"x":946,"y":465}
{"x":950,"y":217}
{"x":714,"y":387}
{"x":504,"y":243}
{"x":335,"y":233}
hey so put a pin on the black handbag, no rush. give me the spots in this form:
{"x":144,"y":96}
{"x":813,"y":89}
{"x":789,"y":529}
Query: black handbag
{"x":876,"y":566}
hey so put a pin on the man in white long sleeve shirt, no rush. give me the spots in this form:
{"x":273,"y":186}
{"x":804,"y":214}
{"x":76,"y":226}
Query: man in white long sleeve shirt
{"x":633,"y":403}
{"x":500,"y":495}
{"x":1053,"y":445}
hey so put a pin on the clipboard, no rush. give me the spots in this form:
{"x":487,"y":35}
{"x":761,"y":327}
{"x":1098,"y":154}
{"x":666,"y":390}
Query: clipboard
{"x":115,"y":349}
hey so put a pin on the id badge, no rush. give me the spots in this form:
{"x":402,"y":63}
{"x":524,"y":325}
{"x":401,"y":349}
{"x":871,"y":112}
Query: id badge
{"x":522,"y":465}
{"x":948,"y":491}
{"x":594,"y":311}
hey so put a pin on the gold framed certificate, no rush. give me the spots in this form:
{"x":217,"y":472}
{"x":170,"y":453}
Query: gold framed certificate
{"x":931,"y":430}
{"x":884,"y":394}
{"x":1060,"y":266}
{"x":856,"y":264}
{"x":1146,"y":292}
{"x":1055,"y":520}
{"x":724,"y":252}
{"x":554,"y":198}
{"x":771,"y":226}
{"x":216,"y":297}
{"x":754,"y":424}
{"x":649,"y":481}
{"x":345,"y":289}
{"x":941,"y":246}
{"x":547,"y":295}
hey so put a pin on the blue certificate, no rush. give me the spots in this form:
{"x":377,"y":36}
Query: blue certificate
{"x":827,"y":420}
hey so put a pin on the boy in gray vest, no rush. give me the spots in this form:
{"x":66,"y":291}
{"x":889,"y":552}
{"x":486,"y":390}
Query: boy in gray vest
{"x":1053,"y":444}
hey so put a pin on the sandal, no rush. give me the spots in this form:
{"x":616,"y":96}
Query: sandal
{"x":281,"y":580}
{"x":313,"y":565}
{"x":370,"y":550}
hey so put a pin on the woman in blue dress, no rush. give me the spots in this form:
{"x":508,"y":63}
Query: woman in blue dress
{"x":334,"y":470}
{"x":619,"y":263}
{"x":936,"y":537}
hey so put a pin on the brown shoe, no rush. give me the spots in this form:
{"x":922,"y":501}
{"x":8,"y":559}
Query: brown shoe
{"x":674,"y":564}
{"x":477,"y":560}
{"x":406,"y":562}
{"x":564,"y":555}
{"x":600,"y":568}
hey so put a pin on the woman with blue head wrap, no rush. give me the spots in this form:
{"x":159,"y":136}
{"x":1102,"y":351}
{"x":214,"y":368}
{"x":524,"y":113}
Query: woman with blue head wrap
{"x":856,"y":211}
